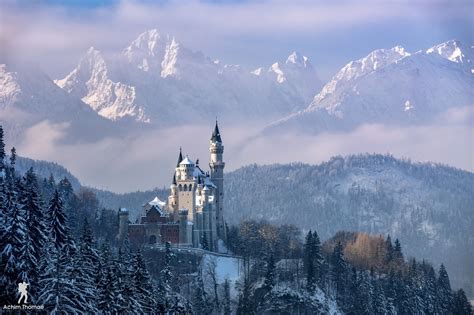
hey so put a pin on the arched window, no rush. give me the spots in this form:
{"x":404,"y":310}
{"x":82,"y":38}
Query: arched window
{"x":152,"y":239}
{"x":180,"y":187}
{"x":185,"y":187}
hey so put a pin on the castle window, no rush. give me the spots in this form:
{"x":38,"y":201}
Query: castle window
{"x":152,"y":240}
{"x":185,"y":187}
{"x":180,"y":187}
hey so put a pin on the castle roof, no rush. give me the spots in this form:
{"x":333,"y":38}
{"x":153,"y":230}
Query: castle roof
{"x":156,"y":202}
{"x":186,"y":161}
{"x":216,"y":135}
{"x":180,"y":157}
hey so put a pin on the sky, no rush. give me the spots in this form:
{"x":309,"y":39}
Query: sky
{"x":55,"y":33}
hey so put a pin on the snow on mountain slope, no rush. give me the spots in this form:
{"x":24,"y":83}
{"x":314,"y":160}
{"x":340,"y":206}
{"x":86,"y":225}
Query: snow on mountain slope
{"x":389,"y":86}
{"x":28,"y":96}
{"x":156,"y":79}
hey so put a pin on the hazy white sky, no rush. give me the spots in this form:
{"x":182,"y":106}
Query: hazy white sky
{"x":55,"y":33}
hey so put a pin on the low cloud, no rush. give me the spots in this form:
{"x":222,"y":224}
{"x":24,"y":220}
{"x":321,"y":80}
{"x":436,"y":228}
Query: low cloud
{"x":148,"y":160}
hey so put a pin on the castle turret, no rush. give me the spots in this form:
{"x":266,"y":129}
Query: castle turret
{"x":123,"y":224}
{"x":217,"y":176}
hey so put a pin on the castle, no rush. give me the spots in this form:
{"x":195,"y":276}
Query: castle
{"x":193,"y":213}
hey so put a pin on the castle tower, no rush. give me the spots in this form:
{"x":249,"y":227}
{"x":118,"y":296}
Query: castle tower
{"x":217,"y":176}
{"x":173,"y":199}
{"x":123,"y":224}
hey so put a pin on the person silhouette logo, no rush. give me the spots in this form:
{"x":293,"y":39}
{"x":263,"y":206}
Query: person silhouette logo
{"x":22,"y":288}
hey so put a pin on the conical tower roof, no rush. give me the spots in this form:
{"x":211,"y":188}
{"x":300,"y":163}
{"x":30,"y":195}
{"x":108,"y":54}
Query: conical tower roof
{"x":216,"y":135}
{"x":180,"y":157}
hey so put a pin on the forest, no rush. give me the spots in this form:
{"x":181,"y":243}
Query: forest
{"x":63,"y":243}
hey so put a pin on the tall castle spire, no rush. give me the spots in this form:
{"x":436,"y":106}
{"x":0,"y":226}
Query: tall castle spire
{"x":180,"y":157}
{"x":217,"y":176}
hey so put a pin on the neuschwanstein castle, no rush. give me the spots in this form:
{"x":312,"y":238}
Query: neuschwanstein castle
{"x":193,"y":214}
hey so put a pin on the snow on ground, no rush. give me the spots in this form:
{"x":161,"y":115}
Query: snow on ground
{"x":229,"y":268}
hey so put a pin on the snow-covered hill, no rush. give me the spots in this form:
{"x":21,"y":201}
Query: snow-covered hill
{"x":390,"y":86}
{"x":156,"y":79}
{"x":428,"y":207}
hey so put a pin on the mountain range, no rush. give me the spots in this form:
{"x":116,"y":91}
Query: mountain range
{"x":157,"y":80}
{"x":389,"y":86}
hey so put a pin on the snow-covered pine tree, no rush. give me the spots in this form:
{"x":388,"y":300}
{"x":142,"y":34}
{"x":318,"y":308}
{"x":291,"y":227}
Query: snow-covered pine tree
{"x":379,"y":301}
{"x":317,"y":257}
{"x":461,"y":305}
{"x":166,"y":278}
{"x":200,"y":299}
{"x":309,"y":262}
{"x":246,"y":304}
{"x":270,"y":274}
{"x":2,"y":150}
{"x":84,"y":262}
{"x":339,"y":273}
{"x":35,"y":237}
{"x":444,"y":293}
{"x":58,"y":290}
{"x":144,"y":293}
{"x":13,"y":239}
{"x":226,"y":303}
{"x":67,"y":195}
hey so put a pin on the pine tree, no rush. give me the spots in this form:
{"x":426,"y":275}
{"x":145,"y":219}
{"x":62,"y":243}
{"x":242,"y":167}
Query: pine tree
{"x":338,"y":272}
{"x":246,"y":304}
{"x":317,"y":256}
{"x":85,"y":260}
{"x":35,"y":237}
{"x":2,"y":152}
{"x":58,"y":290}
{"x":379,"y":301}
{"x":461,"y":305}
{"x":397,"y":254}
{"x":309,"y":263}
{"x":166,"y":277}
{"x":200,"y":299}
{"x":444,"y":292}
{"x":269,"y":281}
{"x":226,"y":301}
{"x":125,"y":264}
{"x":13,"y":240}
{"x":142,"y":284}
{"x":388,"y":251}
{"x":59,"y":229}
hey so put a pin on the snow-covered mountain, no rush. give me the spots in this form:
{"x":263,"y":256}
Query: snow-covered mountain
{"x":156,"y":79}
{"x":390,"y":86}
{"x":29,"y":96}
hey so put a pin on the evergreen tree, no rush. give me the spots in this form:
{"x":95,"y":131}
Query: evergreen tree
{"x":397,"y":254}
{"x":379,"y":301}
{"x":58,"y":290}
{"x":444,"y":292}
{"x":317,"y":256}
{"x":226,"y":302}
{"x":309,"y":262}
{"x":142,"y":284}
{"x":35,"y":237}
{"x":59,"y":230}
{"x":200,"y":300}
{"x":269,"y":281}
{"x":338,"y":272}
{"x":246,"y":304}
{"x":85,"y":260}
{"x":461,"y":305}
{"x":13,"y":239}
{"x":2,"y":150}
{"x":388,"y":250}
